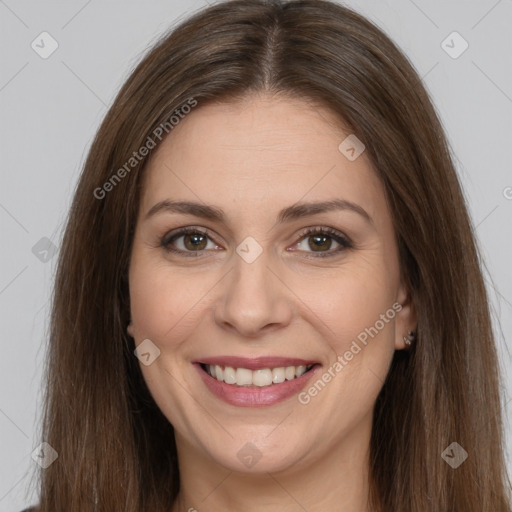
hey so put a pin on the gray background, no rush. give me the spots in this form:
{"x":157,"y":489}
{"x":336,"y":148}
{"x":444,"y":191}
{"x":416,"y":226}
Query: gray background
{"x":50,"y":109}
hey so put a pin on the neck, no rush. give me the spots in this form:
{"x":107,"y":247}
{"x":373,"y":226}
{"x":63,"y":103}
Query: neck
{"x":334,"y":480}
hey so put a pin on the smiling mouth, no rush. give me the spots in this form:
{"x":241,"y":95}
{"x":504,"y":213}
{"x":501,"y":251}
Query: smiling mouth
{"x":261,"y":377}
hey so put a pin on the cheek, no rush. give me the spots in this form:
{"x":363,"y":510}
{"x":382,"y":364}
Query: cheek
{"x":150,"y":305}
{"x":352,"y":297}
{"x":355,"y":303}
{"x":360,"y":317}
{"x":165,"y":303}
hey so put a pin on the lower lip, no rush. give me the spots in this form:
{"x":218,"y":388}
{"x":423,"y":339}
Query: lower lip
{"x":243,"y":396}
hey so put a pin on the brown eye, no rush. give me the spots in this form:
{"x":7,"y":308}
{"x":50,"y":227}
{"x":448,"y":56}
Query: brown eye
{"x":195,"y":241}
{"x":320,"y":241}
{"x":188,"y":242}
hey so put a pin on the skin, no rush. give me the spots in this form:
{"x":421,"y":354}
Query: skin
{"x":252,"y":158}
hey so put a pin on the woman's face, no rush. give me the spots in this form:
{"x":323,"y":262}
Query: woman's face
{"x":250,"y":282}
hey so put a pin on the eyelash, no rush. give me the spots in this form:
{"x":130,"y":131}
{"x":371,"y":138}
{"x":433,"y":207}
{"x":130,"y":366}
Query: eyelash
{"x":338,"y":237}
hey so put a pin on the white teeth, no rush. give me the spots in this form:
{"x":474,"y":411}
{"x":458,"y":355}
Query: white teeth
{"x":278,"y":375}
{"x":243,"y":376}
{"x":261,"y":377}
{"x":300,"y":370}
{"x":289,"y":372}
{"x":229,"y":375}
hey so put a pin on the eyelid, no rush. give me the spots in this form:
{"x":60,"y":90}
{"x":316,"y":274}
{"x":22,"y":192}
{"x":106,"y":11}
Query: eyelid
{"x":178,"y":233}
{"x":339,"y":237}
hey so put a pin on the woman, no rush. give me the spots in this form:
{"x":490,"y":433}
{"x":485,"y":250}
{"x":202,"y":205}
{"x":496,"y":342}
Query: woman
{"x":203,"y":354}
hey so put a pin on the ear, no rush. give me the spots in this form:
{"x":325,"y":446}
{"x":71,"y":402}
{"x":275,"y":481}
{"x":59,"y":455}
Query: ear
{"x":130,"y":330}
{"x":406,"y":318}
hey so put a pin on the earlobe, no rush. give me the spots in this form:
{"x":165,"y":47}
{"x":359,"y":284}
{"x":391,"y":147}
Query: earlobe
{"x":406,"y":320}
{"x":129,"y":330}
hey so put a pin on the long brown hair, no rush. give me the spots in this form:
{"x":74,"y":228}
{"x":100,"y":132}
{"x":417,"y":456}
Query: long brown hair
{"x":116,"y":449}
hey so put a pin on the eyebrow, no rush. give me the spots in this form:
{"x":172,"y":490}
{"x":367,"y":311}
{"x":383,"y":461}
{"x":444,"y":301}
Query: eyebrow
{"x":288,"y":214}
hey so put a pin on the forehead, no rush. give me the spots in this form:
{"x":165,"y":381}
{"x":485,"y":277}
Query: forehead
{"x":258,"y":155}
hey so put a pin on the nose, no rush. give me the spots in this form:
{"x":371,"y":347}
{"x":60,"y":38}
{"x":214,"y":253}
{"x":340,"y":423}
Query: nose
{"x":253,"y":299}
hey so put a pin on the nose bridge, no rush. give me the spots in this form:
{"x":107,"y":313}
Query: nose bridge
{"x":251,"y":298}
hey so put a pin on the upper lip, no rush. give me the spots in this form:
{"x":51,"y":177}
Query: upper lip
{"x":255,"y":363}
